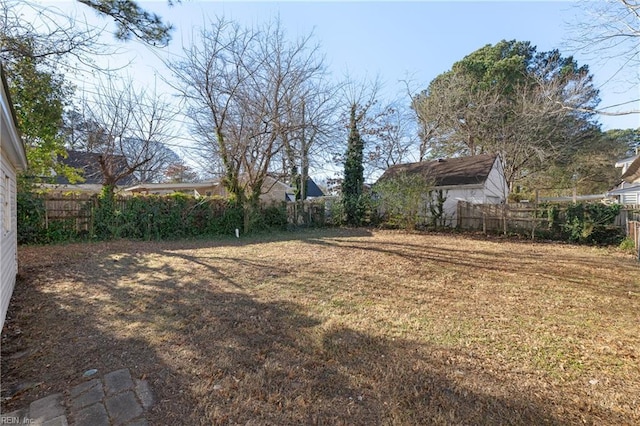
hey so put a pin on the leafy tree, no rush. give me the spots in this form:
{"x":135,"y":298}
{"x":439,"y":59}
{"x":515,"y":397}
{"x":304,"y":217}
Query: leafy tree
{"x":627,"y":139}
{"x":39,"y":98}
{"x":531,"y":108}
{"x":403,"y":198}
{"x":590,"y":170}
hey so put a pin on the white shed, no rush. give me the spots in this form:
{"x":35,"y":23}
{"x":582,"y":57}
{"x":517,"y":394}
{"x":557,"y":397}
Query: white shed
{"x":12,"y":160}
{"x":477,"y":179}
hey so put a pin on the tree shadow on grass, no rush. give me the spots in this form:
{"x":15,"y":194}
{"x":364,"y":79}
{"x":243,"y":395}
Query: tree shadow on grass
{"x":579,"y":270}
{"x":215,"y":354}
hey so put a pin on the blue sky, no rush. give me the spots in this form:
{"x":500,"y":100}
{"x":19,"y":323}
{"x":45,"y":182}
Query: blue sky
{"x":396,"y":41}
{"x":393,"y":40}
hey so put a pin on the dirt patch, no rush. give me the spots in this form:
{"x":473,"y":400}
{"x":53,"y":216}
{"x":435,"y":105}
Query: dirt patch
{"x":335,"y":327}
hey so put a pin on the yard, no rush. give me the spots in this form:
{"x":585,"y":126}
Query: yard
{"x":336,"y":327}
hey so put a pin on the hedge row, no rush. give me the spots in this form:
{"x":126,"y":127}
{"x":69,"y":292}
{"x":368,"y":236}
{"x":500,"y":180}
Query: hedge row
{"x":147,"y":217}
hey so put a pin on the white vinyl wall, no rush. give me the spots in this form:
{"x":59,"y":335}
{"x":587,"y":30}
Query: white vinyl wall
{"x":8,"y":234}
{"x":12,"y":159}
{"x":493,"y":191}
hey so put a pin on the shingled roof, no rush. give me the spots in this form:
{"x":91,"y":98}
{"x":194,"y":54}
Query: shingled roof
{"x":89,"y":164}
{"x":473,"y":170}
{"x":633,"y":171}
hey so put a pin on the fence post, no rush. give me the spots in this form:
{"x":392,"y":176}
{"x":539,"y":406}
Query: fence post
{"x":535,"y":217}
{"x":484,"y":222}
{"x":637,"y":237}
{"x":504,"y":218}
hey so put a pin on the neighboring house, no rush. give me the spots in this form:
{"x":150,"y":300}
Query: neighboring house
{"x":477,"y":179}
{"x":311,"y":191}
{"x":12,"y":160}
{"x":273,"y":190}
{"x":89,"y":165}
{"x":197,"y":189}
{"x":626,"y":163}
{"x":628,"y":190}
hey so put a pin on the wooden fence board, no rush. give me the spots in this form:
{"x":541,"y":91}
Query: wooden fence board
{"x":633,"y":232}
{"x":499,"y":217}
{"x":76,"y":211}
{"x":520,"y":217}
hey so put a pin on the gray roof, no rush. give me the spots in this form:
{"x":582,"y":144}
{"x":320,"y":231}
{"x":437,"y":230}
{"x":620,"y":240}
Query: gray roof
{"x":633,"y":171}
{"x":312,"y":189}
{"x":89,"y":164}
{"x":473,"y":170}
{"x":626,"y":190}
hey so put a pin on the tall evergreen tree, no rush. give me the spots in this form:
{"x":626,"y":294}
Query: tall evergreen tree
{"x":133,"y":21}
{"x":353,"y":173}
{"x":533,"y":108}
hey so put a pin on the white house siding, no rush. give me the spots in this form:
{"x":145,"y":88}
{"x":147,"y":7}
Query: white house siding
{"x":453,"y":195}
{"x":12,"y":159}
{"x":8,"y":235}
{"x":496,"y":188}
{"x":494,"y":191}
{"x":630,"y":198}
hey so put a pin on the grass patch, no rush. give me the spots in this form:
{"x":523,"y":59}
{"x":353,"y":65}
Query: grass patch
{"x":336,"y":327}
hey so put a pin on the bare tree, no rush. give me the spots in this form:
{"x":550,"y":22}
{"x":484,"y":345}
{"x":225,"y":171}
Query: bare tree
{"x":50,"y":37}
{"x":180,"y":172}
{"x":612,"y":33}
{"x":313,"y":130}
{"x":127,"y":129}
{"x":161,"y":157}
{"x":242,"y":88}
{"x":452,"y":117}
{"x":393,"y":139}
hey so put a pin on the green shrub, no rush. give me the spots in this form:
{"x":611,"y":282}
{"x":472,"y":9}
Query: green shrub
{"x":627,"y":245}
{"x":591,"y":223}
{"x":30,"y":216}
{"x":274,"y":217}
{"x":142,"y":217}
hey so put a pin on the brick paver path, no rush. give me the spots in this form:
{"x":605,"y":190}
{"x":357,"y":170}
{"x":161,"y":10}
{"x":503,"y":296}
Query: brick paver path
{"x":113,"y":400}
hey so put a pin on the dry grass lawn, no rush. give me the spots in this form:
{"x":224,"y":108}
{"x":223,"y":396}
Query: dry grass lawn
{"x":348,"y":327}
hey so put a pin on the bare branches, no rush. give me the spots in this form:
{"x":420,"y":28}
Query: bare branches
{"x":612,"y":34}
{"x":249,"y":94}
{"x":51,"y":37}
{"x":613,"y":29}
{"x":128,"y":127}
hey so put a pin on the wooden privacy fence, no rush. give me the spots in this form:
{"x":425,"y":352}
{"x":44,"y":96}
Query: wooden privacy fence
{"x":75,"y":209}
{"x":633,"y":233}
{"x":306,"y":213}
{"x":521,"y":217}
